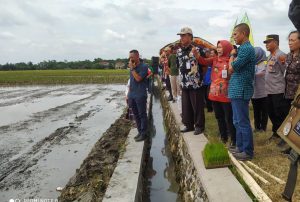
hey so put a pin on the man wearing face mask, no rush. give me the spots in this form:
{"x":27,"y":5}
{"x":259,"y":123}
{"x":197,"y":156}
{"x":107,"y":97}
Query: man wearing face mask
{"x":137,"y":96}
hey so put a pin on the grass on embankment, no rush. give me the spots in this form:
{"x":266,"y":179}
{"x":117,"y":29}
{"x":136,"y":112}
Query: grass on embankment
{"x":47,"y":77}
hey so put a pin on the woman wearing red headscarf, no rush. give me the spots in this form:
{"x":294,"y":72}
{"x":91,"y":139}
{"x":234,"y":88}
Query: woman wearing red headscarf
{"x":218,"y":93}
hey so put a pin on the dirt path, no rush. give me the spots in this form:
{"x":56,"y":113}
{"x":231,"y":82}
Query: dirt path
{"x":46,"y":132}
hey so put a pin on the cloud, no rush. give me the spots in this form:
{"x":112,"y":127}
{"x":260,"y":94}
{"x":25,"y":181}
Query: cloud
{"x":7,"y":35}
{"x":219,"y":22}
{"x":114,"y":35}
{"x":35,"y":30}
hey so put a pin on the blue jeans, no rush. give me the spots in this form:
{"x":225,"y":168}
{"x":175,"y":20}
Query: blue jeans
{"x":139,"y":108}
{"x":241,"y":121}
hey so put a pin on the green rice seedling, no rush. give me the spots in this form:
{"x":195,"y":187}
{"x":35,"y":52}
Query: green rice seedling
{"x":215,"y":155}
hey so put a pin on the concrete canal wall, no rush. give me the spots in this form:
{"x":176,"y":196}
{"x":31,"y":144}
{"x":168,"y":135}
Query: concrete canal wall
{"x":196,"y":182}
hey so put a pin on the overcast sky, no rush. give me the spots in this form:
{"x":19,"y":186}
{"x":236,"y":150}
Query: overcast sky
{"x":37,"y":30}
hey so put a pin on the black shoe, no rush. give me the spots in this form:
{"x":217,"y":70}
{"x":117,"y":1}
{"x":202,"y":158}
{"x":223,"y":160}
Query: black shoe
{"x":234,"y":150}
{"x":185,"y":130}
{"x":140,"y":138}
{"x":198,"y":131}
{"x":274,"y":137}
{"x":138,"y":135}
{"x":286,"y":150}
{"x":282,"y":143}
{"x":243,"y":156}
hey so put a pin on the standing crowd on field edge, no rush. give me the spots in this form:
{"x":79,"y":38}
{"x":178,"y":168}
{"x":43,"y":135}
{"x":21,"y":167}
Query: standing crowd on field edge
{"x":224,"y":80}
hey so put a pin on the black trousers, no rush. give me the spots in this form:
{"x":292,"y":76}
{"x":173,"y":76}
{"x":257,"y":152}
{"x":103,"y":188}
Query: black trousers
{"x":208,"y":103}
{"x":168,"y":85}
{"x":223,"y":113}
{"x":260,"y":109}
{"x":278,"y":109}
{"x":193,"y":108}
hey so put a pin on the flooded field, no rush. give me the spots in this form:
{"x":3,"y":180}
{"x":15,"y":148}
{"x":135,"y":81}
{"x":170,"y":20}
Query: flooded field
{"x":46,"y":132}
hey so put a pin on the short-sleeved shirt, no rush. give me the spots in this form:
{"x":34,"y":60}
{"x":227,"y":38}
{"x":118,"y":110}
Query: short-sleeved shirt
{"x":259,"y":81}
{"x":275,"y":82}
{"x":185,"y":60}
{"x":138,"y":89}
{"x":241,"y":81}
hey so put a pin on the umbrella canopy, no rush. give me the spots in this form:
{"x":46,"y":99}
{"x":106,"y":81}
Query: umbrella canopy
{"x":197,"y":41}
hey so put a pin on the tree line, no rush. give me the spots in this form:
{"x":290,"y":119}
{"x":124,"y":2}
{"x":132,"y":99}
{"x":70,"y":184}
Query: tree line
{"x":97,"y":63}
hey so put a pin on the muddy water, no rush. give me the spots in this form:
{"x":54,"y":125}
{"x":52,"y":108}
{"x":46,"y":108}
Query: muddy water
{"x":161,"y":173}
{"x":46,"y":132}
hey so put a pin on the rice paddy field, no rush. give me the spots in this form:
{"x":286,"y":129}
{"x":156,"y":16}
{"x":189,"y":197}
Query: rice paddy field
{"x":47,"y":131}
{"x":53,"y":77}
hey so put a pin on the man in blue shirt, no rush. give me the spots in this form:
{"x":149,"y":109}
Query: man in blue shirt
{"x":137,"y":96}
{"x":241,"y":90}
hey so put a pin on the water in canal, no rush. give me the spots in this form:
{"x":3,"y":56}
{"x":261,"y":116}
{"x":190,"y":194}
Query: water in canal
{"x":162,"y":185}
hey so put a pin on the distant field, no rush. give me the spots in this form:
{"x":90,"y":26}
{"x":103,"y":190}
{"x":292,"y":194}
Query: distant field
{"x":47,"y":77}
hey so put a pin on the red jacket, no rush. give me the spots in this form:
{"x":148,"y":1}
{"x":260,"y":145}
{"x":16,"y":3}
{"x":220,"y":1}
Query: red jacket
{"x":219,"y":86}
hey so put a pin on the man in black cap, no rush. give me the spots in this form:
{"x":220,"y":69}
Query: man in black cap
{"x":278,"y":107}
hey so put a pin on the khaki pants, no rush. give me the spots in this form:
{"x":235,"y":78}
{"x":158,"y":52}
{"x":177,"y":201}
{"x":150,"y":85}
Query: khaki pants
{"x":175,"y":86}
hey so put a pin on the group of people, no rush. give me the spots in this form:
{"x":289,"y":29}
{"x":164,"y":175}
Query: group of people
{"x":236,"y":77}
{"x":229,"y":89}
{"x":228,"y":77}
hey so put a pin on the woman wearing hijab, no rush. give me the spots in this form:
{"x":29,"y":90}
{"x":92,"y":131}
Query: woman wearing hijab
{"x":218,"y":92}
